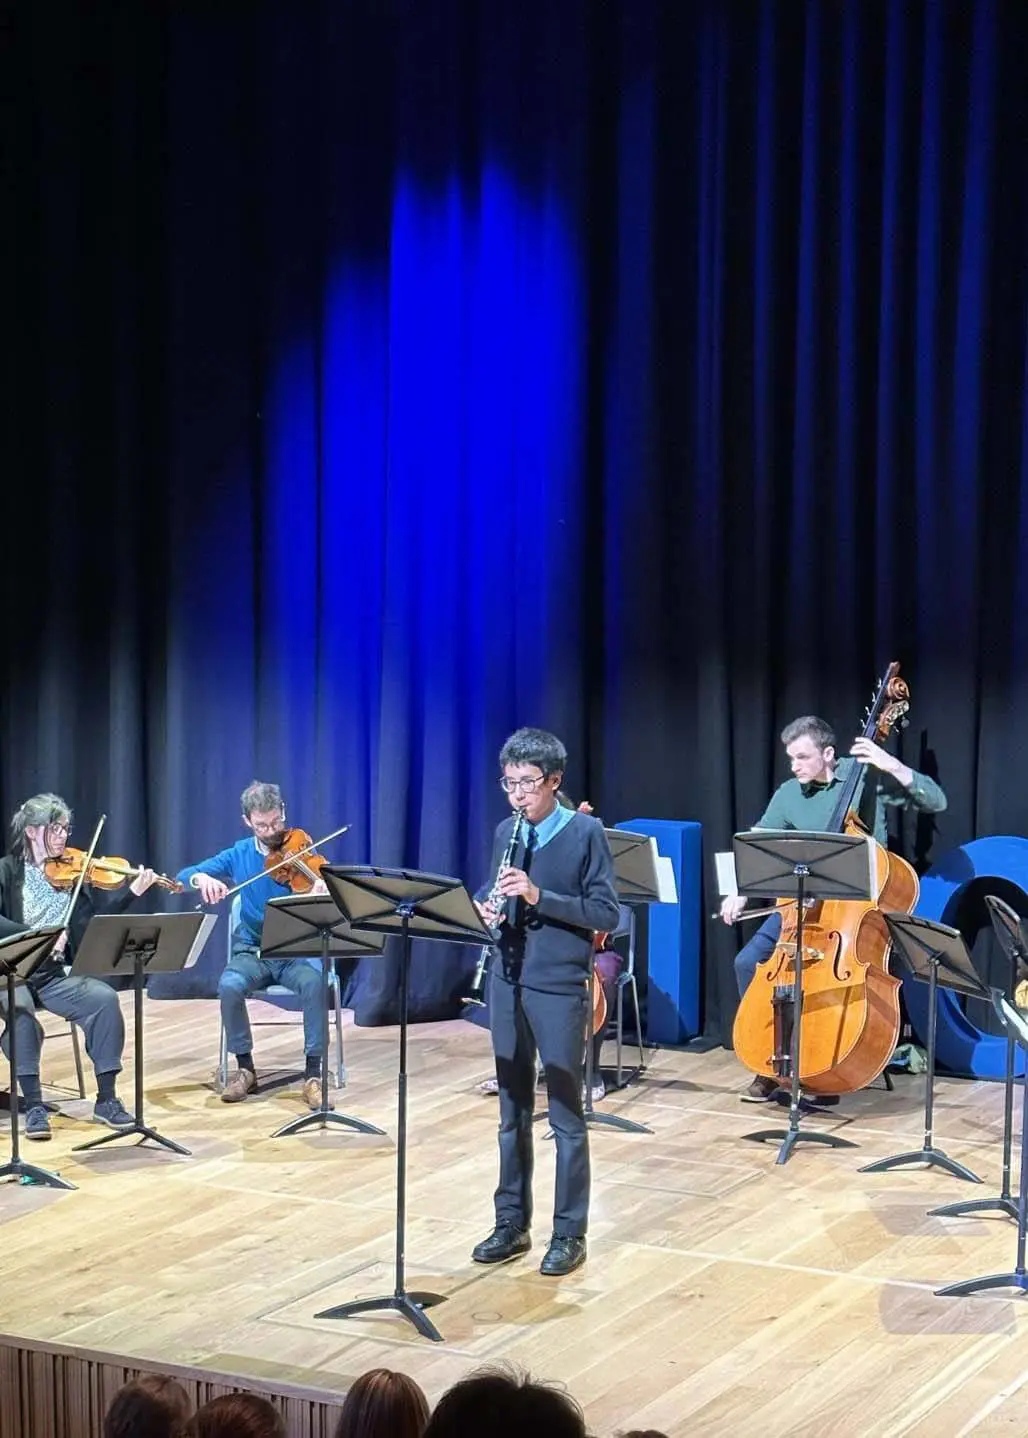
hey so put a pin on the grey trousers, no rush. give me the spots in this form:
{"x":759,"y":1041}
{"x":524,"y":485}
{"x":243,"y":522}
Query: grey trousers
{"x":90,"y":1003}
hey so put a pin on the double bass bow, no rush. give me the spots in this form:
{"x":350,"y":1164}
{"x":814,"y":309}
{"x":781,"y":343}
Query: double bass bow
{"x":851,"y":1013}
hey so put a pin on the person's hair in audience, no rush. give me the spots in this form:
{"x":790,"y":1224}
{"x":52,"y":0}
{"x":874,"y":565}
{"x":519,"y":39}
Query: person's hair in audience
{"x":642,"y":1433}
{"x":151,"y":1406}
{"x":383,"y":1404}
{"x":238,"y":1415}
{"x":505,"y":1403}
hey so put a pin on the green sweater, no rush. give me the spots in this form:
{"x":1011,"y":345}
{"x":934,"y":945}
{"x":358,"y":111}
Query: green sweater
{"x":797,"y":806}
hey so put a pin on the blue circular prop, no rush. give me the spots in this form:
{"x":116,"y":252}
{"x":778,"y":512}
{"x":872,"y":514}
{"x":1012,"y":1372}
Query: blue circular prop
{"x":960,"y":1045}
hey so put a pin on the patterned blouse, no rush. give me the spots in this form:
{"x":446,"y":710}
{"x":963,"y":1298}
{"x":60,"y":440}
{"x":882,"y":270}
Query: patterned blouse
{"x":42,"y":904}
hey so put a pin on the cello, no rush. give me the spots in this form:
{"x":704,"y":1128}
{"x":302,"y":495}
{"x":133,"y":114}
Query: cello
{"x":851,"y":1012}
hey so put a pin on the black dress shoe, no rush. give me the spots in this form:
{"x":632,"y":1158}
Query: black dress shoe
{"x":564,"y":1255}
{"x":504,"y":1242}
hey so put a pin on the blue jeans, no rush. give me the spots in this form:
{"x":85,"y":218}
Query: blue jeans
{"x":88,"y":1002}
{"x":757,"y":951}
{"x":247,"y":973}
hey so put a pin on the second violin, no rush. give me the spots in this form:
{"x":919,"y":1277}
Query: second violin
{"x":293,"y":862}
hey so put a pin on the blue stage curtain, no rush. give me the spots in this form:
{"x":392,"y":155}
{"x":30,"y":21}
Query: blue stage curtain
{"x":383,"y":376}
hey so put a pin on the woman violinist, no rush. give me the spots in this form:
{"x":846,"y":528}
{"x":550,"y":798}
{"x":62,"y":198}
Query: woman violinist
{"x":35,"y":889}
{"x":268,"y":857}
{"x":806,"y":802}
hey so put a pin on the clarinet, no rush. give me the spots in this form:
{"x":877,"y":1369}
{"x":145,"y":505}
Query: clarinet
{"x":474,"y":996}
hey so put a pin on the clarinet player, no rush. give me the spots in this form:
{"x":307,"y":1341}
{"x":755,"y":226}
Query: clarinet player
{"x":553,"y":888}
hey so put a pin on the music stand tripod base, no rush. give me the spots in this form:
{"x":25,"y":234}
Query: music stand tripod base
{"x":140,"y":944}
{"x":1008,"y":927}
{"x":931,"y":1158}
{"x":926,"y":947}
{"x":1017,"y":1278}
{"x":795,"y":1135}
{"x":799,"y":865}
{"x":410,"y":1305}
{"x":302,"y":926}
{"x":409,"y":905}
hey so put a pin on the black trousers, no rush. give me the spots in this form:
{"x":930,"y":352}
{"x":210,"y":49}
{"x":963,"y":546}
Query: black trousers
{"x":523,"y":1021}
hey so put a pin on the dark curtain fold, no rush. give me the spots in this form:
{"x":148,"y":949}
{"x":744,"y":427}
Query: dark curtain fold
{"x":379,"y":377}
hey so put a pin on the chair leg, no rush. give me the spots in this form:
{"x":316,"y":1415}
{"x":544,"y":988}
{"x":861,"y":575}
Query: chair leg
{"x":340,"y":1065}
{"x":77,"y":1051}
{"x":619,"y":1029}
{"x":223,"y":1055}
{"x":638,"y":1023}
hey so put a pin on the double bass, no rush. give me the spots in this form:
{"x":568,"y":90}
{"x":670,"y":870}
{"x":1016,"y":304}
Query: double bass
{"x":851,"y":1011}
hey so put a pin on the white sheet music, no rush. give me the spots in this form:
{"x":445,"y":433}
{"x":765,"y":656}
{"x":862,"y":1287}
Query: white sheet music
{"x":727,"y":884}
{"x":667,"y":889}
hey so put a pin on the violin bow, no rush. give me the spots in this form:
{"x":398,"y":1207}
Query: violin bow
{"x":80,"y":881}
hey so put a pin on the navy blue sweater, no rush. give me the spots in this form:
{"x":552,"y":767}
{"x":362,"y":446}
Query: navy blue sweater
{"x":549,"y":947}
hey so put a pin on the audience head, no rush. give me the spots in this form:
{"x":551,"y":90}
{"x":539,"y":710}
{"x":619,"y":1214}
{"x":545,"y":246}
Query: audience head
{"x":505,"y":1404}
{"x":149,"y":1407}
{"x":383,"y":1404}
{"x":238,"y":1415}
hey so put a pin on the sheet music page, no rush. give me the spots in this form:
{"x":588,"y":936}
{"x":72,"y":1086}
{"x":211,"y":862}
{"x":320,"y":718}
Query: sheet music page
{"x":727,"y":883}
{"x":667,"y":889}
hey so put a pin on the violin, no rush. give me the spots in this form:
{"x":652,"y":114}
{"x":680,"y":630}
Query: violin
{"x":293,"y":864}
{"x":64,"y":872}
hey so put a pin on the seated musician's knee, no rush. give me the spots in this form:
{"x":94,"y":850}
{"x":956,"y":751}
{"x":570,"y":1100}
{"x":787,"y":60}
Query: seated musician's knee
{"x":745,"y":965}
{"x":102,"y":997}
{"x":232,"y":984}
{"x":307,"y":980}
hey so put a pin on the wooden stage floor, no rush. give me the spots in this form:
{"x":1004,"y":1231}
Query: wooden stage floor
{"x":722,"y":1294}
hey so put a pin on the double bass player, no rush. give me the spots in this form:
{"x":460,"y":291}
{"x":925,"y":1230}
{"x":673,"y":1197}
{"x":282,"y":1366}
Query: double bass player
{"x":806,"y":802}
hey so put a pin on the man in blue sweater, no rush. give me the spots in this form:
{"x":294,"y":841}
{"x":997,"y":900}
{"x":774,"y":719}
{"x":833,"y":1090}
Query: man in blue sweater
{"x":247,"y":972}
{"x":556,"y":892}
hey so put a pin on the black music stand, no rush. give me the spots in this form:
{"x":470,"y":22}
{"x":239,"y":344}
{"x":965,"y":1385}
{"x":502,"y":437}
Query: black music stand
{"x":1009,"y":928}
{"x":792,"y":864}
{"x":20,"y":956}
{"x":635,"y":877}
{"x":311,"y":926}
{"x":937,"y":954}
{"x":140,"y":944}
{"x":413,"y":906}
{"x":1014,"y":1023}
{"x":637,"y":881}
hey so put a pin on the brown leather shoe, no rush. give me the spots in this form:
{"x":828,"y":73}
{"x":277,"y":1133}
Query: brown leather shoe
{"x":761,"y":1090}
{"x":242,"y":1082}
{"x":312,"y":1094}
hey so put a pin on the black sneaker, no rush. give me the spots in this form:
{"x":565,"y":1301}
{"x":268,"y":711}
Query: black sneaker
{"x":113,"y":1113}
{"x":761,"y":1090}
{"x":503,"y":1243}
{"x":37,"y":1123}
{"x":563,"y":1256}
